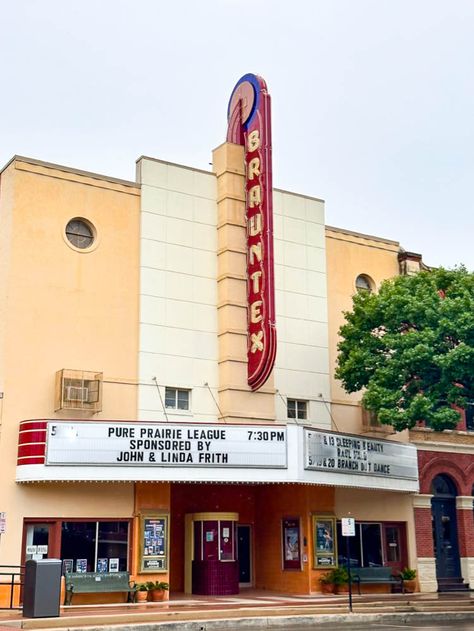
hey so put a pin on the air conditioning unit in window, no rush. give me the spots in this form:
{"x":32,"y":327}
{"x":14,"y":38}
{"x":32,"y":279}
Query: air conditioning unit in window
{"x":76,"y":393}
{"x":78,"y":390}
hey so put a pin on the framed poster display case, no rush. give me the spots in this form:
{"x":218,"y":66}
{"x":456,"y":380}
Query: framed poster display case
{"x":324,"y":541}
{"x":291,"y":543}
{"x":154,"y":542}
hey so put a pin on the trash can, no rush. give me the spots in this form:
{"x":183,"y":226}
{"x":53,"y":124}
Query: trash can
{"x":42,"y":589}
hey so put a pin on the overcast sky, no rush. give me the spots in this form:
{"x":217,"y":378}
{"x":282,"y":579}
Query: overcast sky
{"x":373,"y":100}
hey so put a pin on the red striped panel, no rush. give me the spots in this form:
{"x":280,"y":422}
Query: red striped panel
{"x":32,"y":442}
{"x":31,"y":460}
{"x":34,"y":449}
{"x":28,"y":425}
{"x":32,"y":436}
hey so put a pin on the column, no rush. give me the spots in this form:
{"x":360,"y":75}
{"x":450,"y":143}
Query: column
{"x":465,"y":519}
{"x":236,"y":400}
{"x":424,"y":543}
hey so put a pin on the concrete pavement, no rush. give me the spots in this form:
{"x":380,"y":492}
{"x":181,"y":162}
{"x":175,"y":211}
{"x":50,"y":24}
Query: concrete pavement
{"x":258,"y":610}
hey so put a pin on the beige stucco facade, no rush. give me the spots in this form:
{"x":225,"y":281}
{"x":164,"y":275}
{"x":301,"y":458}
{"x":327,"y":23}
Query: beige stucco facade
{"x":159,"y":302}
{"x":63,"y":308}
{"x":350,"y":254}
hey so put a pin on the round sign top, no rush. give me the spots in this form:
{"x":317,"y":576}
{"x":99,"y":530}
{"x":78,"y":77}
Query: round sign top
{"x":247,"y":91}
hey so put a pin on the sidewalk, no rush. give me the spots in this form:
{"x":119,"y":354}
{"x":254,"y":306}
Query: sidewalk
{"x":251,"y":609}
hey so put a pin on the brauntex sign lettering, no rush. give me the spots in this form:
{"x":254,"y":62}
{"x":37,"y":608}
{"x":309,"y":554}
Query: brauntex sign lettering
{"x":250,"y":125}
{"x":76,"y":443}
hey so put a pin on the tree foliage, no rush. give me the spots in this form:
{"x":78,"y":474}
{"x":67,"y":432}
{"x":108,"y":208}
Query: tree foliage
{"x":411,"y":348}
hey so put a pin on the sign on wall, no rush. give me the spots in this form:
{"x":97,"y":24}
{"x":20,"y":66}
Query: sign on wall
{"x":344,"y":453}
{"x":165,"y":445}
{"x":291,"y":543}
{"x":348,"y":527}
{"x":249,"y":117}
{"x":325,"y":541}
{"x":154,"y":543}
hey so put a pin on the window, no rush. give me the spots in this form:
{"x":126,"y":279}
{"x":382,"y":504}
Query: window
{"x":78,"y":390}
{"x":177,"y":399}
{"x":94,"y":546}
{"x":297,"y":409}
{"x":80,"y":233}
{"x":365,"y":547}
{"x":470,"y":417}
{"x":364,"y":283}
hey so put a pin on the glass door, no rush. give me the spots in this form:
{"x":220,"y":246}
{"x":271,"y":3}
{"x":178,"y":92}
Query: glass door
{"x":394,"y":548}
{"x":37,"y":541}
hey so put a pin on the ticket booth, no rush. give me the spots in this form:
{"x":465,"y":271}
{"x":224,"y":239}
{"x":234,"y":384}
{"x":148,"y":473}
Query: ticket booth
{"x":212,"y":566}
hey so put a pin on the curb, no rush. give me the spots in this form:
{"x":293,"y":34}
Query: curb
{"x":282,"y":622}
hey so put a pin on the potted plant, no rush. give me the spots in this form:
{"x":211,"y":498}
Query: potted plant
{"x":327,"y":584}
{"x":141,"y":592}
{"x":157,"y":590}
{"x":340,"y":578}
{"x":409,"y":579}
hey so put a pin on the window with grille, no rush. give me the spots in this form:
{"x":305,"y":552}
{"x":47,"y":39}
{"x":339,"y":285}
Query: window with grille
{"x":177,"y":398}
{"x":297,"y":409}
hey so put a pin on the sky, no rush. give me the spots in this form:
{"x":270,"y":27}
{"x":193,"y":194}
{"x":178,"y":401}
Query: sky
{"x":372,"y":100}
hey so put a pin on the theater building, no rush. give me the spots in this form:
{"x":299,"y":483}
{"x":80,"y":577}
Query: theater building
{"x":443,"y":509}
{"x":165,"y":368}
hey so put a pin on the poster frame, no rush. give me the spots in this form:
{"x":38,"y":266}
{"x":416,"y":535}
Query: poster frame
{"x":144,"y":517}
{"x":293,"y":523}
{"x":320,"y":554}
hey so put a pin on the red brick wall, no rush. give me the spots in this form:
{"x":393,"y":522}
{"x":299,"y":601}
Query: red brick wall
{"x":465,"y":532}
{"x":424,"y":532}
{"x":460,"y":467}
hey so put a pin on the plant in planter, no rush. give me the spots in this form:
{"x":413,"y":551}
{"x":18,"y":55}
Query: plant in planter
{"x":340,"y":578}
{"x":141,"y":592}
{"x":327,"y":584}
{"x":409,"y":579}
{"x":157,"y":590}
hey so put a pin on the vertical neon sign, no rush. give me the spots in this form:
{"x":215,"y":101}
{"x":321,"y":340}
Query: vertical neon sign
{"x":249,"y":124}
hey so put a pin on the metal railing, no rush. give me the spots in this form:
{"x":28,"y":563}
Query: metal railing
{"x":13,"y":572}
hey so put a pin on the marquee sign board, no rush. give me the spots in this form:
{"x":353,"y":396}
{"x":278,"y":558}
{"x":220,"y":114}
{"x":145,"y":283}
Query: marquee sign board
{"x":249,"y":124}
{"x":165,"y":445}
{"x":344,"y":453}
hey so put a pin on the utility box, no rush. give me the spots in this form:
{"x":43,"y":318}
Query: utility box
{"x":42,"y":589}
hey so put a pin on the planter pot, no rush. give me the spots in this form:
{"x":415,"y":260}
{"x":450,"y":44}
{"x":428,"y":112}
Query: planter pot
{"x":410,"y":585}
{"x":157,"y":595}
{"x":141,"y":597}
{"x":327,"y":588}
{"x":342,"y":589}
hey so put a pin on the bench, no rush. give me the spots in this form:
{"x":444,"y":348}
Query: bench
{"x":98,"y":582}
{"x":377,"y":576}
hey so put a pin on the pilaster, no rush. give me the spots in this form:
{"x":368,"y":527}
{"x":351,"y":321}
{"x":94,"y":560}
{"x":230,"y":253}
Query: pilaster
{"x":427,"y":574}
{"x":467,"y":570}
{"x":465,"y":522}
{"x":426,"y":562}
{"x":236,"y":400}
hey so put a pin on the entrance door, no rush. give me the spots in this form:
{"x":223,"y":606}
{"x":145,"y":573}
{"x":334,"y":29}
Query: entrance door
{"x":211,"y":565}
{"x":445,"y":535}
{"x":37,"y":542}
{"x":445,"y":538}
{"x":245,"y":561}
{"x":394,"y":541}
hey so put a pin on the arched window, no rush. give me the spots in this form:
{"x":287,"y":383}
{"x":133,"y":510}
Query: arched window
{"x":364,"y":283}
{"x":443,"y":485}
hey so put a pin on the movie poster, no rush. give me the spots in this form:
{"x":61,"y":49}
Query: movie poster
{"x":154,"y":543}
{"x":291,"y":544}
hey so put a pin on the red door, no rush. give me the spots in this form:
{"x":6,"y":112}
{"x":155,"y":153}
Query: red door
{"x":395,"y":546}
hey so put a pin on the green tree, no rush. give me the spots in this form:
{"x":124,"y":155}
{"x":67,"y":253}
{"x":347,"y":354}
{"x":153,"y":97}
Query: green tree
{"x":411,"y":348}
